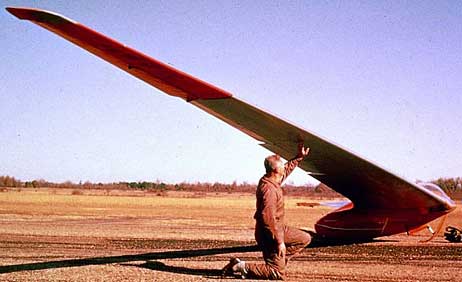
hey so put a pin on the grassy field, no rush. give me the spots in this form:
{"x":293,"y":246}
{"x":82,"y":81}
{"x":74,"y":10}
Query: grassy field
{"x":72,"y":235}
{"x":217,"y":214}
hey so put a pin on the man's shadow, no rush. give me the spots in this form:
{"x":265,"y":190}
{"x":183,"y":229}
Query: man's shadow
{"x":160,"y":266}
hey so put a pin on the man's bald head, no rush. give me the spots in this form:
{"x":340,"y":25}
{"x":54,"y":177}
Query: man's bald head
{"x":273,"y":163}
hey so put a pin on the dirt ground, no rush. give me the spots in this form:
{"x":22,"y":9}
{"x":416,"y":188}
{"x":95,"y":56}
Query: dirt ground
{"x":68,"y":235}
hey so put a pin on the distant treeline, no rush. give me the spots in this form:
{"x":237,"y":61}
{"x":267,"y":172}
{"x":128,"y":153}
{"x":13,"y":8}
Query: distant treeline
{"x":8,"y":181}
{"x":449,"y":185}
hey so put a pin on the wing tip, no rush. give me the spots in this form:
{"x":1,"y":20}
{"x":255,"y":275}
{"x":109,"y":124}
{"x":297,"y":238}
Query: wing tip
{"x":25,"y":13}
{"x":37,"y":15}
{"x":20,"y":13}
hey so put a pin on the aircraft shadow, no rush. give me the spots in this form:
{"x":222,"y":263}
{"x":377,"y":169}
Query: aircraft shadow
{"x":127,"y":258}
{"x":318,"y":243}
{"x":151,"y":258}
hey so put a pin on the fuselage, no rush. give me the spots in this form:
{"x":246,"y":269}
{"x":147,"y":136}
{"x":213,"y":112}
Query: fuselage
{"x":350,"y":223}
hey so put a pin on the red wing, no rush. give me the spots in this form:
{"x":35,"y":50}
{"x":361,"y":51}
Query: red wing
{"x":156,"y":73}
{"x":366,"y":184}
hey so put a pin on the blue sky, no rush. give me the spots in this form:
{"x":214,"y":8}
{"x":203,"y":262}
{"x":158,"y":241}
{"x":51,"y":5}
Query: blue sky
{"x":379,"y":78}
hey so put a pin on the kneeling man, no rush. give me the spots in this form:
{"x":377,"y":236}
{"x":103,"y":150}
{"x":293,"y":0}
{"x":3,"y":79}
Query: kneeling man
{"x":277,"y":241}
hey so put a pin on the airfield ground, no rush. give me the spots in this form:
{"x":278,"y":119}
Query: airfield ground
{"x":76,"y":235}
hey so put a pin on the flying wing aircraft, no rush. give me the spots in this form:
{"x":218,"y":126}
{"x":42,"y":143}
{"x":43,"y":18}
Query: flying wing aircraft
{"x":382,"y":203}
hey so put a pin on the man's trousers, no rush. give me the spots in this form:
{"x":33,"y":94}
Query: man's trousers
{"x":275,"y":265}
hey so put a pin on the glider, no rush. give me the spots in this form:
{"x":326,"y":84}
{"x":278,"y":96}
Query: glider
{"x":382,"y":203}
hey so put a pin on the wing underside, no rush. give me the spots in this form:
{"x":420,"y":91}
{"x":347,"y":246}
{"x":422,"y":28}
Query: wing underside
{"x":366,"y":184}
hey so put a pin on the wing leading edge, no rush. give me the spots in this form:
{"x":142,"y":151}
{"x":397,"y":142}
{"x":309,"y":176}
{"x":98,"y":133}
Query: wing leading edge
{"x":367,"y":185}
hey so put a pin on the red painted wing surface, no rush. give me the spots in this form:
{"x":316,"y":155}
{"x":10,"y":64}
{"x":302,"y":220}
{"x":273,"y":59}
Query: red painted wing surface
{"x":382,"y":203}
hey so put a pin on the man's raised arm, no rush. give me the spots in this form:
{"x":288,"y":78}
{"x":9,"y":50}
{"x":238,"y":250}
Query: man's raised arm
{"x":293,"y":163}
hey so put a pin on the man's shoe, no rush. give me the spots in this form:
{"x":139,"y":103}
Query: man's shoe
{"x":228,"y":269}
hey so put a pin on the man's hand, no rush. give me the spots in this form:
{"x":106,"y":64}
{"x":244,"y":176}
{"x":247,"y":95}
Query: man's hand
{"x":282,"y":250}
{"x":302,"y":151}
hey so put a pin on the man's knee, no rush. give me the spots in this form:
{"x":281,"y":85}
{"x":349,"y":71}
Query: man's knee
{"x":301,"y":239}
{"x":306,"y":239}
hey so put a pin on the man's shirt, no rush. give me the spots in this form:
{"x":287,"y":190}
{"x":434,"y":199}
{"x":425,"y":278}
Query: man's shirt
{"x":270,"y":203}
